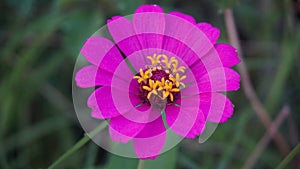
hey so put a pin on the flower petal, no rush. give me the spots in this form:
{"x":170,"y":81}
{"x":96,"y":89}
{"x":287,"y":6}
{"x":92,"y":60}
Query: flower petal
{"x":195,"y":130}
{"x":227,"y":54}
{"x":137,"y":112}
{"x":149,"y":8}
{"x":184,"y":38}
{"x":205,"y":64}
{"x":101,"y":50}
{"x":121,"y":129}
{"x":149,"y":19}
{"x":180,"y":49}
{"x":91,"y":75}
{"x":184,"y":16}
{"x":121,"y":30}
{"x":149,"y":143}
{"x":186,"y":120}
{"x":219,"y":80}
{"x":103,"y":105}
{"x":143,"y":114}
{"x":211,"y":32}
{"x":176,"y":32}
{"x":149,"y":148}
{"x":152,"y":128}
{"x":216,"y":107}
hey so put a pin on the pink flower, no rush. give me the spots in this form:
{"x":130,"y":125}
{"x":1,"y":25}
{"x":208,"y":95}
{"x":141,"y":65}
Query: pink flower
{"x":158,"y":71}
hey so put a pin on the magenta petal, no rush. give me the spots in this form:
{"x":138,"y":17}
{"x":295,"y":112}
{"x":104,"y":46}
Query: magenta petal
{"x":143,"y":114}
{"x":91,"y":75}
{"x":149,"y":8}
{"x":134,"y":89}
{"x":149,"y":142}
{"x":198,"y":126}
{"x":92,"y":103}
{"x":153,"y":128}
{"x":136,"y":112}
{"x":149,"y":19}
{"x":121,"y":129}
{"x":185,"y":39}
{"x":180,"y":49}
{"x":121,"y":29}
{"x":211,"y":32}
{"x":111,"y":60}
{"x":227,"y":54}
{"x":209,"y":61}
{"x":188,"y":128}
{"x":216,"y":107}
{"x":103,"y":105}
{"x":178,"y":28}
{"x":96,"y":48}
{"x":149,"y":148}
{"x":218,"y":80}
{"x":184,"y":16}
{"x":86,"y":76}
{"x":186,"y":120}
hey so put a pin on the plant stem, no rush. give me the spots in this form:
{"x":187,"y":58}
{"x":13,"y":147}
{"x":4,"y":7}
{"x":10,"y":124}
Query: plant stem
{"x":141,"y":164}
{"x":78,"y":145}
{"x":289,"y":157}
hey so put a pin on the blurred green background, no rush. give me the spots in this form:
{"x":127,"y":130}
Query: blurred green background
{"x":40,"y":41}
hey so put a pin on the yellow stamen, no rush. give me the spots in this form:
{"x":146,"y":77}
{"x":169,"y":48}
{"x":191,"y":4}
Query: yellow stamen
{"x":149,"y":95}
{"x":143,"y":76}
{"x":165,"y":94}
{"x":171,"y":97}
{"x":155,"y":59}
{"x":181,"y":69}
{"x":175,"y":90}
{"x":177,"y":80}
{"x":169,"y":62}
{"x":147,"y":88}
{"x":166,"y":86}
{"x":151,"y":88}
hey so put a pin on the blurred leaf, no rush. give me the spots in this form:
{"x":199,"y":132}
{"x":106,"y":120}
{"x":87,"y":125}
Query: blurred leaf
{"x":185,"y":161}
{"x":91,"y":155}
{"x":120,"y":162}
{"x":235,"y":139}
{"x":78,"y":26}
{"x":32,"y":133}
{"x":24,"y":7}
{"x":165,"y":161}
{"x":27,"y":57}
{"x":223,"y":4}
{"x":128,"y":7}
{"x":289,"y":53}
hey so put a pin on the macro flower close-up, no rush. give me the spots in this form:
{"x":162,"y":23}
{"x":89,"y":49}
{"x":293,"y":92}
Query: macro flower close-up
{"x":150,"y":84}
{"x":158,"y":71}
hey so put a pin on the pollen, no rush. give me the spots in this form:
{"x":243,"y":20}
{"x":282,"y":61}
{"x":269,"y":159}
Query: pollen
{"x":161,"y":80}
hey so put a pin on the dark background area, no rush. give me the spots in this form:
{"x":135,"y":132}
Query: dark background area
{"x":40,"y":42}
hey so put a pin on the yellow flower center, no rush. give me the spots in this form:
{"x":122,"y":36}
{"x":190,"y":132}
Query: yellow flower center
{"x":162,"y":79}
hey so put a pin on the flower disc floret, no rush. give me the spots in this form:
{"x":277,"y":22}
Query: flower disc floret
{"x":162,"y":79}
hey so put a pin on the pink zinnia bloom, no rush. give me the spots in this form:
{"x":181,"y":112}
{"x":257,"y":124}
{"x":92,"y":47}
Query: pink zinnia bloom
{"x":158,"y":71}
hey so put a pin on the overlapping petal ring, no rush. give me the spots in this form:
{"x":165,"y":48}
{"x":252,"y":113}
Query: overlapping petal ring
{"x":157,"y":73}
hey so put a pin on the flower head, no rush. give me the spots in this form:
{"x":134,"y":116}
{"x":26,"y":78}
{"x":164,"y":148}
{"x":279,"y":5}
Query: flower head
{"x":157,"y":65}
